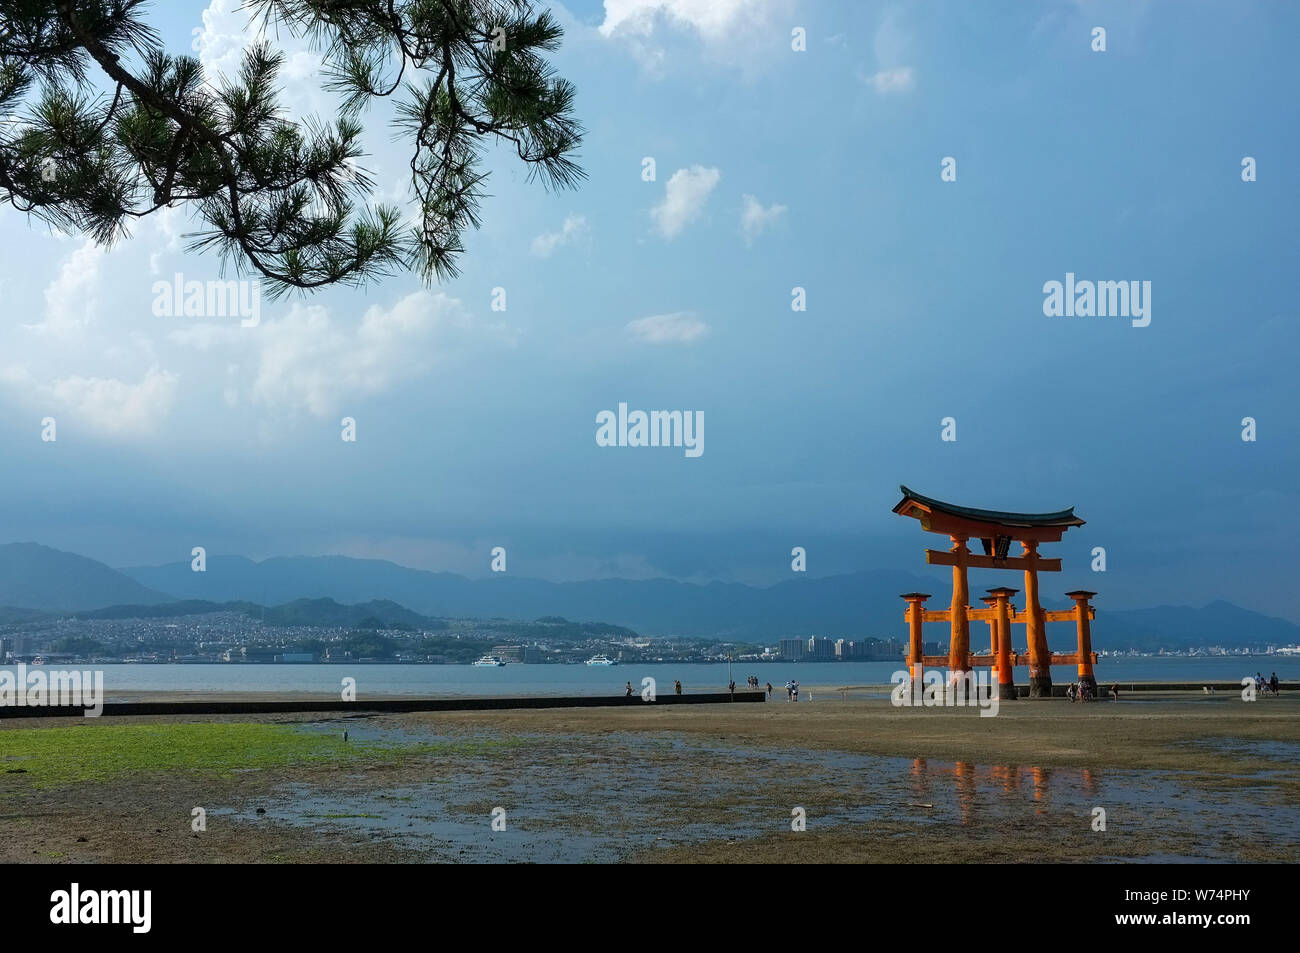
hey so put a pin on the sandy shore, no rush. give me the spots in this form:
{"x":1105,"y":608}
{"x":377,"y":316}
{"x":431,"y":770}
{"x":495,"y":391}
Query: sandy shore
{"x":1184,"y":777}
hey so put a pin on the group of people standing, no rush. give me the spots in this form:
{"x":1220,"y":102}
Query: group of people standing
{"x":1266,"y":685}
{"x":753,"y":683}
{"x":791,"y":688}
{"x":1083,"y":692}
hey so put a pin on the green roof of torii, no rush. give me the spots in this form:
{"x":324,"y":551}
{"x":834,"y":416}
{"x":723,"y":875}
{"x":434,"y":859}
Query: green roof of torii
{"x":1060,"y":518}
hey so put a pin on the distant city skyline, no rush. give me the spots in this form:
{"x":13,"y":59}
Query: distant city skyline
{"x":783,"y":177}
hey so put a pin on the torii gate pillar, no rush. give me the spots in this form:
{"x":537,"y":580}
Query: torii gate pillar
{"x":959,"y":644}
{"x":915,"y":606}
{"x":1006,"y":680}
{"x":1082,"y":614}
{"x":1040,"y":656}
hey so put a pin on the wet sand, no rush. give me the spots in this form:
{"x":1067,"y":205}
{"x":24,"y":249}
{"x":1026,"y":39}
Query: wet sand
{"x":1180,"y":778}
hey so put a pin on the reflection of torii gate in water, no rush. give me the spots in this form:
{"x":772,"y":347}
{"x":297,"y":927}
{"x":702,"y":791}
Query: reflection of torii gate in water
{"x":997,"y":531}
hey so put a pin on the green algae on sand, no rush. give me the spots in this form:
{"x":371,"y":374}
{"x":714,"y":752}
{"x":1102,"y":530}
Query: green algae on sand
{"x":57,"y":756}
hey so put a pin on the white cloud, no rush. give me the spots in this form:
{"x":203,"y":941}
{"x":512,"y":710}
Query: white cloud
{"x":898,"y":80}
{"x":575,"y":228}
{"x":108,"y":405}
{"x":115,"y":406}
{"x":72,"y":364}
{"x":684,"y":199}
{"x":712,"y":19}
{"x":893,"y":48}
{"x":680,"y":327}
{"x":71,"y":299}
{"x":739,"y":33}
{"x":167,"y":224}
{"x":109,"y":402}
{"x":755,"y":219}
{"x":229,"y":28}
{"x":308,"y":361}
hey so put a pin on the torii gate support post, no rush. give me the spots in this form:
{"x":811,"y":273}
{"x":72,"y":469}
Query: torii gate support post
{"x":959,"y":644}
{"x":1040,"y":656}
{"x":915,"y":602}
{"x":1082,"y":614}
{"x":1006,"y":680}
{"x":992,"y":603}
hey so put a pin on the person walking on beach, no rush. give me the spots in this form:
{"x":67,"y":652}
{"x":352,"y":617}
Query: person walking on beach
{"x":769,"y":691}
{"x":1114,"y":692}
{"x":795,"y":687}
{"x":789,"y":690}
{"x":629,"y":689}
{"x":1273,"y":684}
{"x":677,"y":686}
{"x":732,"y":688}
{"x":1069,"y":692}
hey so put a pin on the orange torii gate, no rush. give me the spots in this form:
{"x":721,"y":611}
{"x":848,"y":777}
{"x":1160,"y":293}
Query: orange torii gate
{"x":996,"y":531}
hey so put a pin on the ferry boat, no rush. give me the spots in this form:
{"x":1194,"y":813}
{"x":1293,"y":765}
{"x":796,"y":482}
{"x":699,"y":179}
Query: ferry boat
{"x":601,"y":660}
{"x":489,"y":660}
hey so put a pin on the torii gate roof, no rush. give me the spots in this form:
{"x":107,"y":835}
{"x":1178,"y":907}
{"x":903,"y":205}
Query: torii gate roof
{"x":922,"y":507}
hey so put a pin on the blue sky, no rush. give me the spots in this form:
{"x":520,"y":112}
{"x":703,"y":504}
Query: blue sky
{"x":818,"y":169}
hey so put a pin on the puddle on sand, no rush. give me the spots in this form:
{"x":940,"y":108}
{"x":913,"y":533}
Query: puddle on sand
{"x":1285,"y":754}
{"x":420,"y":817}
{"x":579,"y":800}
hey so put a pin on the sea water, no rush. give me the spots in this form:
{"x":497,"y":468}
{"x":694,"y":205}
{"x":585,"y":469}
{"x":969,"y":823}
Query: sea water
{"x":555,"y":679}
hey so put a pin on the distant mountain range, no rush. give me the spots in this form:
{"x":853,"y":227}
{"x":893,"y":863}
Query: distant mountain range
{"x":37,"y":577}
{"x":374,"y":615}
{"x":339,"y":590}
{"x":858,"y":604}
{"x":377,"y":614}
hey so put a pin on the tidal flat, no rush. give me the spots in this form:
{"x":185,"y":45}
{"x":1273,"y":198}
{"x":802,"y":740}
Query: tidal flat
{"x":1177,"y":778}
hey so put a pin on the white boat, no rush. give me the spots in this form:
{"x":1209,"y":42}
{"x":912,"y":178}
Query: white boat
{"x":489,"y":660}
{"x":601,"y":660}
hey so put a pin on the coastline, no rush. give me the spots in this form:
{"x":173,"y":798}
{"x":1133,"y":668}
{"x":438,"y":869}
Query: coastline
{"x":677,"y":784}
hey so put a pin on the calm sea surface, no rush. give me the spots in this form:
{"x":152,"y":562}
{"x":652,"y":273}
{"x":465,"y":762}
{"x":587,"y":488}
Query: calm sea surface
{"x":436,"y":680}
